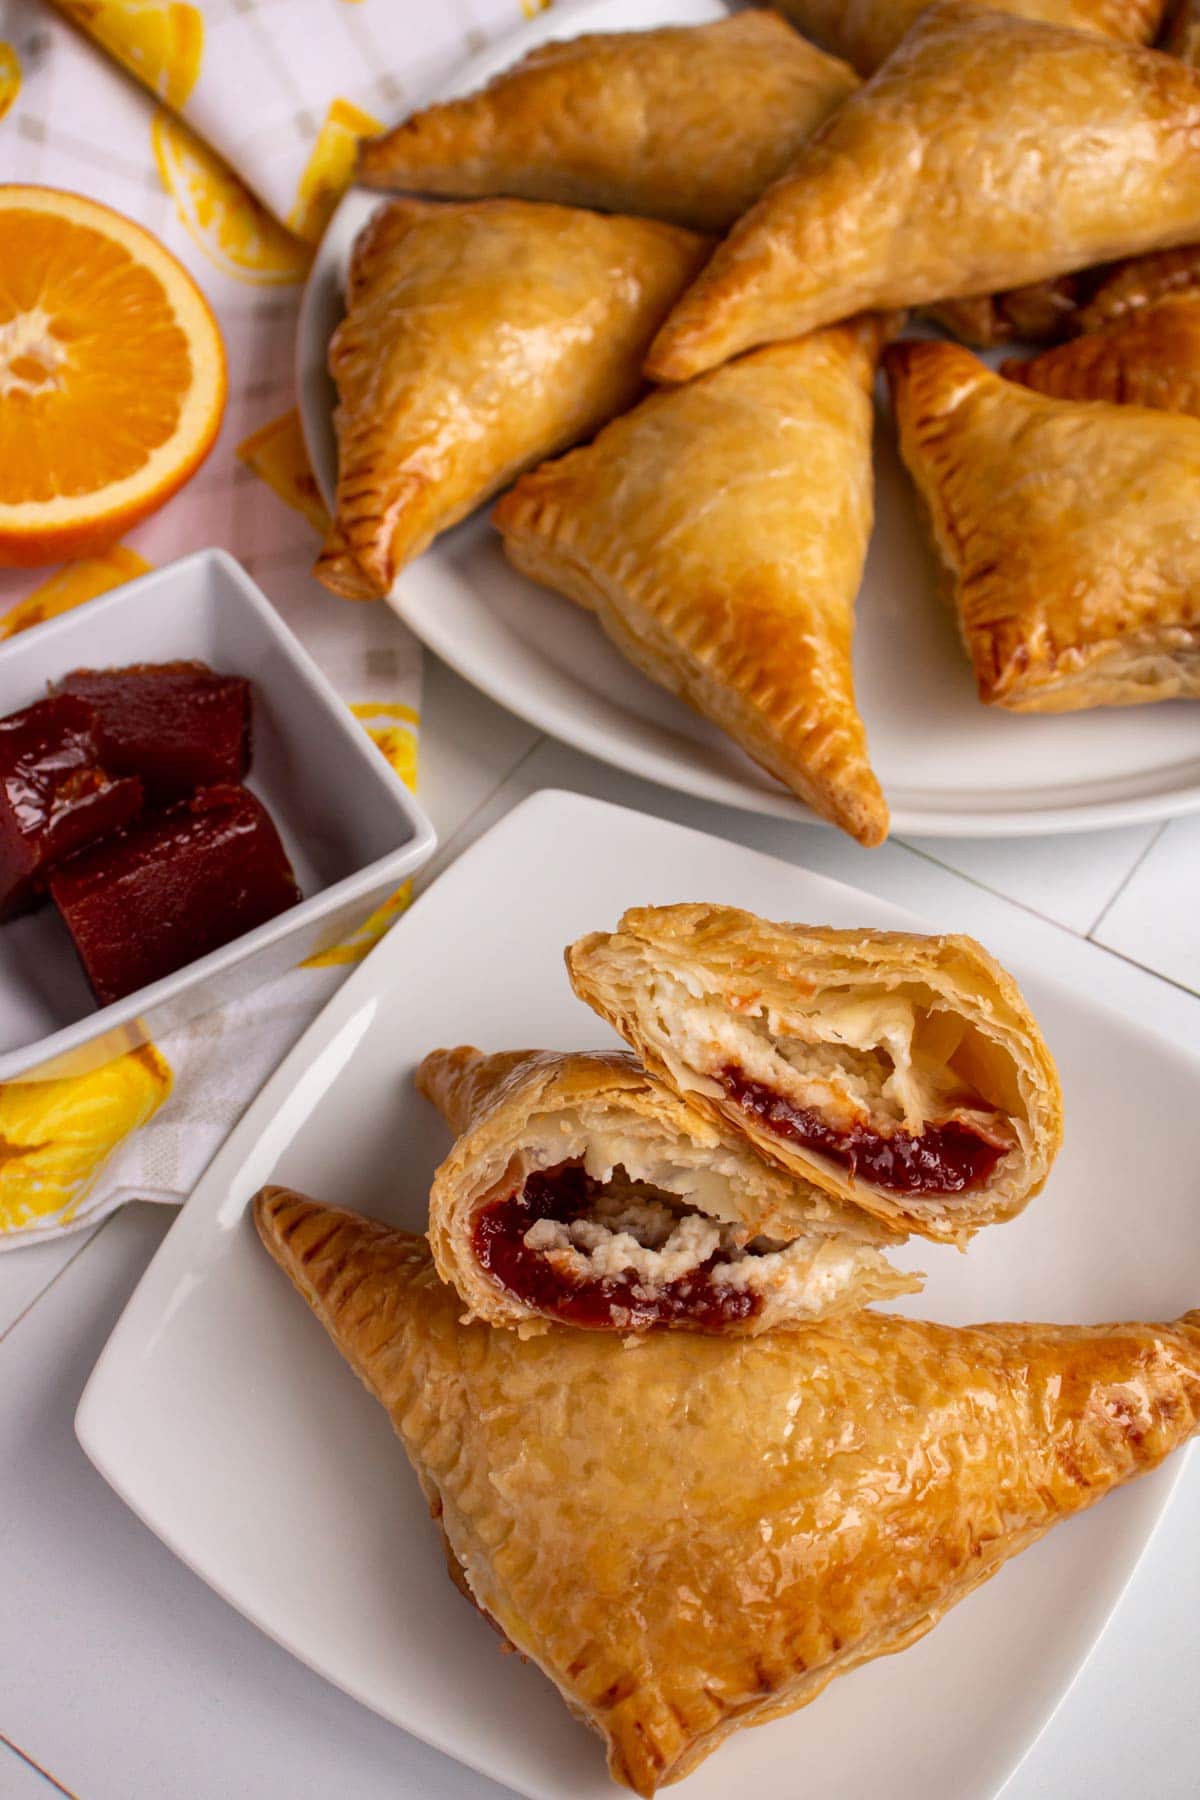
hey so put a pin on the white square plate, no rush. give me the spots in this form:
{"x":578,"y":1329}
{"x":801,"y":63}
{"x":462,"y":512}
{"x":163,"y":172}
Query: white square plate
{"x":223,"y":1417}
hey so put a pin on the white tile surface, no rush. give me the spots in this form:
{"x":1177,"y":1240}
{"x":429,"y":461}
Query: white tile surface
{"x":1155,"y":919}
{"x":20,"y":1780}
{"x":468,"y":747}
{"x":28,"y":1271}
{"x":1070,"y":879}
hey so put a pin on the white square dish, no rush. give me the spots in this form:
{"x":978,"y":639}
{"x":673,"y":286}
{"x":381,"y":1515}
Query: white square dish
{"x":350,"y":826}
{"x":224,"y":1418}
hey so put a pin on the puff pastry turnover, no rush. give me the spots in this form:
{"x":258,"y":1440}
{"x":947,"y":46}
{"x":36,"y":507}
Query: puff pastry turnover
{"x":904,"y":1074}
{"x":703,"y":1533}
{"x":867,"y":31}
{"x":719,"y":532}
{"x":478,"y":339}
{"x":1153,"y":359}
{"x":989,"y":152}
{"x":1067,"y":529}
{"x":1140,"y":281}
{"x":1041,"y":313}
{"x":688,"y":123}
{"x":583,"y":1191}
{"x":1183,"y":35}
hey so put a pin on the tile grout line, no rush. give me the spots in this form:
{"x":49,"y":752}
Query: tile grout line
{"x":37,"y":1767}
{"x":996,"y":893}
{"x":41,"y":1295}
{"x":1145,"y":969}
{"x":1122,"y":885}
{"x":442,"y":857}
{"x":1180,"y":987}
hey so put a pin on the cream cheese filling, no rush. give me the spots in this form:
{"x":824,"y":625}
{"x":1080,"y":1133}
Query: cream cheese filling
{"x":626,"y":1233}
{"x":856,"y":1061}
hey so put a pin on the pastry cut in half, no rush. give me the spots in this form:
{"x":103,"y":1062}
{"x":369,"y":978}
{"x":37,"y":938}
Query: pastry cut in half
{"x":1067,"y":530}
{"x":901,"y":1073}
{"x":1152,"y":359}
{"x":688,"y":123}
{"x":702,"y":1533}
{"x":584,"y":1192}
{"x":989,"y":152}
{"x":866,"y":32}
{"x":478,"y":339}
{"x":718,"y":532}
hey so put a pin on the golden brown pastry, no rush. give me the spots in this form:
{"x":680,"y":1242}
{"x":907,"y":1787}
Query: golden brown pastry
{"x":582,"y":1191}
{"x":1039,"y":314}
{"x":1182,"y":38}
{"x":478,"y":339}
{"x":719,"y":532}
{"x":900,"y":1073}
{"x":1067,"y":529}
{"x":687,"y":123}
{"x":866,"y":32}
{"x":1153,"y":359}
{"x":1142,"y":281}
{"x":702,"y":1533}
{"x":989,"y":152}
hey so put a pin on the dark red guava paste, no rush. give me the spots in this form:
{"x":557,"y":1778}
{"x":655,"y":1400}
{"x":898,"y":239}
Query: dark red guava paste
{"x":944,"y":1159}
{"x":565,"y":1193}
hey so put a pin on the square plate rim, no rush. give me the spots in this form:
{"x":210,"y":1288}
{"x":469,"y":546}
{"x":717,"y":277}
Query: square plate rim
{"x":366,"y":986}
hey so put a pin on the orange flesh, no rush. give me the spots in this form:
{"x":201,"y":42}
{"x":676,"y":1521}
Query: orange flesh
{"x":93,"y":367}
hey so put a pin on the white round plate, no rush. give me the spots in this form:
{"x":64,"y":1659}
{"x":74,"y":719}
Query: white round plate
{"x":949,"y":766}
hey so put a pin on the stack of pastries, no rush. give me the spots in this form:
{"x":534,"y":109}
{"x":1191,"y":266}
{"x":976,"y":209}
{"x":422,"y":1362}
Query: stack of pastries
{"x":672,"y":1458}
{"x":670,"y":261}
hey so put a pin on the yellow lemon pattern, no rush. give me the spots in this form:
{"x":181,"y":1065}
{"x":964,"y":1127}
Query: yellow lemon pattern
{"x":390,"y":725}
{"x":531,"y":8}
{"x":277,"y":455}
{"x":72,"y":585}
{"x":10,"y":77}
{"x":55,"y":1136}
{"x":330,"y":169}
{"x":357,"y":945}
{"x":159,"y":41}
{"x":220,"y":213}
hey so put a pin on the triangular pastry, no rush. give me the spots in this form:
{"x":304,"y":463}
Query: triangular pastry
{"x":687,"y":123}
{"x":1183,"y":35}
{"x":1041,"y":313}
{"x":866,"y":32}
{"x":719,"y":533}
{"x":1067,"y":529}
{"x":981,"y":156}
{"x":478,"y":339}
{"x":1153,"y":359}
{"x":1141,"y":281}
{"x":702,"y":1533}
{"x":582,"y":1191}
{"x":900,"y":1073}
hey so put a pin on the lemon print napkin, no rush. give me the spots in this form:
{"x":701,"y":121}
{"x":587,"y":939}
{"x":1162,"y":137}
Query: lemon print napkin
{"x":228,"y":128}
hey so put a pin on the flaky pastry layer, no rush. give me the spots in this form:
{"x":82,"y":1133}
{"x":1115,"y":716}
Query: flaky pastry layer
{"x":685,"y":1225}
{"x":888,"y":1031}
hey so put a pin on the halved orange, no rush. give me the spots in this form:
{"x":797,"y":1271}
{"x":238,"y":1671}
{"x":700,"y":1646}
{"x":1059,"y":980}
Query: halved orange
{"x":112,"y":375}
